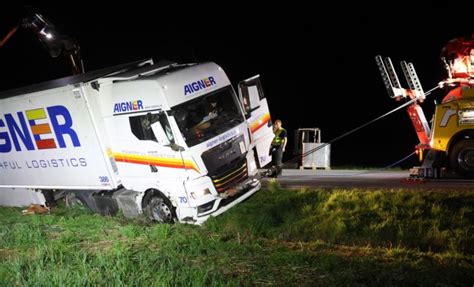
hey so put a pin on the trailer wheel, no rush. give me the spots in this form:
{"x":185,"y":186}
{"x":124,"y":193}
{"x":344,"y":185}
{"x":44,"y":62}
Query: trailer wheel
{"x":461,"y":158}
{"x":73,"y":200}
{"x":158,"y":208}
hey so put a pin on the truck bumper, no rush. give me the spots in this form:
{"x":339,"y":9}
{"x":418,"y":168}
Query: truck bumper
{"x":231,"y":198}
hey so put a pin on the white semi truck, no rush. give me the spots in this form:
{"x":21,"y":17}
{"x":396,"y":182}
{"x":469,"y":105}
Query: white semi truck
{"x":171,"y":141}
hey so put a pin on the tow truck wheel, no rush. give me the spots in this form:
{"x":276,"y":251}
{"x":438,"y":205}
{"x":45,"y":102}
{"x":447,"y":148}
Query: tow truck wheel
{"x":461,"y":158}
{"x":158,"y":208}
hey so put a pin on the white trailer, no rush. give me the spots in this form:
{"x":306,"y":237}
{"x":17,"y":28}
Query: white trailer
{"x":140,"y":137}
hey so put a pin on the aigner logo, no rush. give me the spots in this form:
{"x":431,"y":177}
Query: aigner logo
{"x":38,"y":132}
{"x":199,"y":85}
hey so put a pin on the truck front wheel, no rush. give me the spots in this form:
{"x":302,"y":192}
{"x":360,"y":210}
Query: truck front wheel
{"x":461,"y":158}
{"x":158,"y":208}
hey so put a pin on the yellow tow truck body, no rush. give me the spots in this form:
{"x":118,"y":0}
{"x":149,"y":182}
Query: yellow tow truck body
{"x":452,"y":120}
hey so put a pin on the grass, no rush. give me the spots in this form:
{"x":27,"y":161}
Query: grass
{"x":429,"y":221}
{"x":277,"y":237}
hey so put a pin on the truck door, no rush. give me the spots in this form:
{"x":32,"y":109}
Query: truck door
{"x":150,"y":153}
{"x":258,"y":117}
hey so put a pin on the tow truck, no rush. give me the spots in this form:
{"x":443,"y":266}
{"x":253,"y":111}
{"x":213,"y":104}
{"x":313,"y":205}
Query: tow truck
{"x":448,"y":144}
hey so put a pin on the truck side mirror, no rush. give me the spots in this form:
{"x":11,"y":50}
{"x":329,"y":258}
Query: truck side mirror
{"x":160,"y":134}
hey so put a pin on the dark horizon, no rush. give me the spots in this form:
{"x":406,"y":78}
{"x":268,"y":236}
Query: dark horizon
{"x":317,"y":66}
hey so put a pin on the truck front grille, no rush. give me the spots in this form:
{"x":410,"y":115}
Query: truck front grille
{"x":230,"y":177}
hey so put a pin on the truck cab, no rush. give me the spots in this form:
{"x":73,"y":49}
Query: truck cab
{"x":169,"y":144}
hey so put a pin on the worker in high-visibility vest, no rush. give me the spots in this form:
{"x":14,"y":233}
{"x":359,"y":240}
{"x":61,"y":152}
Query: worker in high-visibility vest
{"x":278,"y":147}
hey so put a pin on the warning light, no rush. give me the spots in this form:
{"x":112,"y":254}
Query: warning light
{"x":461,"y":66}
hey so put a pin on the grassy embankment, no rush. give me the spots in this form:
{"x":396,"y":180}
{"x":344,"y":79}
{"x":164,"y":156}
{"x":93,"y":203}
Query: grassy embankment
{"x":277,"y":237}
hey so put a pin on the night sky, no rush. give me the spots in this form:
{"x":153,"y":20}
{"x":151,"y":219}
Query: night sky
{"x":316,"y":64}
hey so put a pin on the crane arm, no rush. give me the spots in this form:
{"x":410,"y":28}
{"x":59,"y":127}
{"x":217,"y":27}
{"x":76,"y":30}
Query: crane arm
{"x":55,"y":43}
{"x":8,"y":36}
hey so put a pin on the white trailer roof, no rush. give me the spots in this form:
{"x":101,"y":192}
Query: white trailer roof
{"x":119,"y":71}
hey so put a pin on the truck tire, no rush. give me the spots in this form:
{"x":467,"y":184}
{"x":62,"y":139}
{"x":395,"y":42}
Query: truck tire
{"x":461,"y":158}
{"x":159,"y":208}
{"x":72,"y":200}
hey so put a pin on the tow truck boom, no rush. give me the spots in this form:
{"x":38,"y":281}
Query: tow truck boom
{"x":415,"y":92}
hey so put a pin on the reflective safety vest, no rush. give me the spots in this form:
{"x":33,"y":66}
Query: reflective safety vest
{"x":278,"y":140}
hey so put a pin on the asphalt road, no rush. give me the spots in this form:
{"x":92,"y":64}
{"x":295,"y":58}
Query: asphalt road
{"x":294,"y":178}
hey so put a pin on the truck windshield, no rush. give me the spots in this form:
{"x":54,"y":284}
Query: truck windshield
{"x":208,"y":116}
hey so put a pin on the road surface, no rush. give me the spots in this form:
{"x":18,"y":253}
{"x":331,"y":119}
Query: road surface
{"x":295,"y":178}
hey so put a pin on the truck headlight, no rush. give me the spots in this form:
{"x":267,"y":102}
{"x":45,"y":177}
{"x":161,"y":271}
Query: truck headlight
{"x":200,"y":193}
{"x":466,"y":117}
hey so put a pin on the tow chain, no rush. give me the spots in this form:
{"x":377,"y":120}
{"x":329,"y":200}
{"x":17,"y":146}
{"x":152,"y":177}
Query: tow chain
{"x":294,"y":159}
